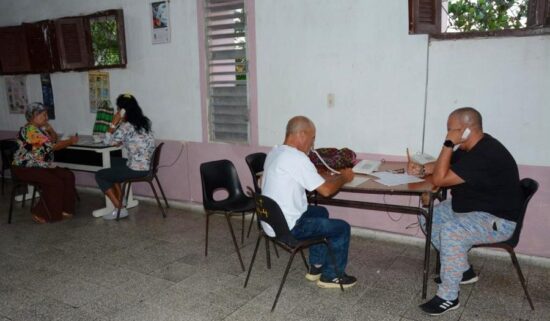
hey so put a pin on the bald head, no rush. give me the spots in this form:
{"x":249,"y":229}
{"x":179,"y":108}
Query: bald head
{"x":468,"y":117}
{"x":298,"y":124}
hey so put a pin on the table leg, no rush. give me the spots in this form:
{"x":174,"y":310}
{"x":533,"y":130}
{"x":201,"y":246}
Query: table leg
{"x":427,"y":247}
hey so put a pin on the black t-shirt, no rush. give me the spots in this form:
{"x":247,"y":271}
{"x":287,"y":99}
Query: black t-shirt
{"x":491,"y":180}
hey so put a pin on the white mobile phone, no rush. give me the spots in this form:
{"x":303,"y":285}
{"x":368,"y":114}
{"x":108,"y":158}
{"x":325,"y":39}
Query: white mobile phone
{"x":122,"y":112}
{"x":466,"y":134}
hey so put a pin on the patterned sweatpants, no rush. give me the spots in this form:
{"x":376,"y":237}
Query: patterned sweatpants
{"x":454,"y":234}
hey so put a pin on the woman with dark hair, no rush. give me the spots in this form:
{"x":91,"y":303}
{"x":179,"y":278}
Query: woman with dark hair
{"x":33,"y":162}
{"x":131,"y":129}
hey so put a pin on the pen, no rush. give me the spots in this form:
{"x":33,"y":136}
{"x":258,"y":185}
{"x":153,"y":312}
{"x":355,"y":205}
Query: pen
{"x":408,"y":156}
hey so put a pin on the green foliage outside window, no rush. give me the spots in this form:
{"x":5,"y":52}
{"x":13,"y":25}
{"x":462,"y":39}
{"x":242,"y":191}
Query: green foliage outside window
{"x":486,"y":15}
{"x":105,"y":46}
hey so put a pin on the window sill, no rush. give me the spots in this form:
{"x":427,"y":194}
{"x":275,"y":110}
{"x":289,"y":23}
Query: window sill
{"x":534,"y":31}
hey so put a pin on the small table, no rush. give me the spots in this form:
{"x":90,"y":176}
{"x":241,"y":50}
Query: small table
{"x":411,"y":189}
{"x":88,"y":156}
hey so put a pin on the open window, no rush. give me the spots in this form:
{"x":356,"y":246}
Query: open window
{"x":463,"y":18}
{"x":71,"y":43}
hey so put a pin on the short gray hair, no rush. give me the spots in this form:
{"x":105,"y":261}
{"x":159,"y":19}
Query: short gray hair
{"x":33,"y":109}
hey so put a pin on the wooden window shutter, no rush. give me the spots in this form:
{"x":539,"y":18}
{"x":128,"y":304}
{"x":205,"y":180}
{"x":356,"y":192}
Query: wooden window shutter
{"x":72,"y":44}
{"x":42,"y":46}
{"x":424,"y":16}
{"x":14,"y":57}
{"x":538,"y":13}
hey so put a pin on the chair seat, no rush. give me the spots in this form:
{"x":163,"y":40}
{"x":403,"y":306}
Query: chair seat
{"x":244,"y":204}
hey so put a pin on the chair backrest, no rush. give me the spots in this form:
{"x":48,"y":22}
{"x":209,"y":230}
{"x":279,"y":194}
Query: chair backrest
{"x":255,"y":163}
{"x":269,"y":212}
{"x":8,"y":147}
{"x":156,"y":159}
{"x":528,"y":188}
{"x":219,"y":175}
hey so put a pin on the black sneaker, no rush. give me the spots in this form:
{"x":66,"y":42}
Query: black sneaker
{"x":438,"y":306}
{"x":347,"y":281}
{"x":468,"y":277}
{"x":314,"y":273}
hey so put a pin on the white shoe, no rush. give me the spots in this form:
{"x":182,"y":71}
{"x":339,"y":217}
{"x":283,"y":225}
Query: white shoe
{"x":112,"y":216}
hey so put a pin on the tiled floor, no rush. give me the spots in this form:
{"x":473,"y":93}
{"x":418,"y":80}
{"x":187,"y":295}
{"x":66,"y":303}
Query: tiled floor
{"x":149,"y":268}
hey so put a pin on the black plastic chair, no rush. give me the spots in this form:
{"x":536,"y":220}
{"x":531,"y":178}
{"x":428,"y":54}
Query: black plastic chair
{"x":221,"y":175}
{"x":152,"y":175}
{"x":255,"y":164}
{"x":7,"y":148}
{"x":529,"y":187}
{"x":269,"y":212}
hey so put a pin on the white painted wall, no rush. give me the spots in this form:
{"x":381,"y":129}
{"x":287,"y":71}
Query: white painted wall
{"x":506,"y":79}
{"x":361,"y":51}
{"x":164,"y":77}
{"x":358,"y":50}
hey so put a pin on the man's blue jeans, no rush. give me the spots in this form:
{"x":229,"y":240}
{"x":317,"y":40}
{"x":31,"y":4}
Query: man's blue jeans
{"x":315,"y":223}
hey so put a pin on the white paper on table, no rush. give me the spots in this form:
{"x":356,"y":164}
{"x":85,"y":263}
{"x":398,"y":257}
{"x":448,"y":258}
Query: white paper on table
{"x":391,"y":179}
{"x":357,"y":180}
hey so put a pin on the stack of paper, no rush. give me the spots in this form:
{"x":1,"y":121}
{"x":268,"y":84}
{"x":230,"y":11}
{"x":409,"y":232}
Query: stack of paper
{"x":391,"y":179}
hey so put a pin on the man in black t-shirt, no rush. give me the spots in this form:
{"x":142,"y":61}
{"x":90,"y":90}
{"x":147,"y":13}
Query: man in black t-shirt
{"x":486,"y":201}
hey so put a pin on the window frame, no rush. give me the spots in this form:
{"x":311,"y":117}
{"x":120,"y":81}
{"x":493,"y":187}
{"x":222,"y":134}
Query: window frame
{"x":538,"y":22}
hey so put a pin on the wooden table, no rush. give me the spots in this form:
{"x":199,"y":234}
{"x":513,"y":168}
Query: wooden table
{"x":422,"y":189}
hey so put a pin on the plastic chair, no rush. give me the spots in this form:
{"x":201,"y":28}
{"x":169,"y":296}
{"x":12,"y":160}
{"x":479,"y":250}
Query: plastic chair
{"x":152,"y":175}
{"x":269,"y":212}
{"x":222,"y":175}
{"x":7,"y":148}
{"x":529,"y":187}
{"x":255,"y":164}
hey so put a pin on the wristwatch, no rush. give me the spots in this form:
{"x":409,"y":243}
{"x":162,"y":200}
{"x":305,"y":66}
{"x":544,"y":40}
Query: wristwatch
{"x":449,"y":143}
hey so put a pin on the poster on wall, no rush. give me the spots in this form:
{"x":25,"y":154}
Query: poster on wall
{"x":99,"y":88}
{"x":47,"y":94}
{"x":16,"y":91}
{"x":160,"y":21}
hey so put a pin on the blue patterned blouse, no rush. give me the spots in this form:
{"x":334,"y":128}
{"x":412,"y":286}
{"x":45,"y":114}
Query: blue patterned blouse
{"x":139,"y":145}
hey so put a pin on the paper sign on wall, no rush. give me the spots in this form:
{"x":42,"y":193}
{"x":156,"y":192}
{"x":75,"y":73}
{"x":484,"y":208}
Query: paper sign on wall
{"x":99,"y":88}
{"x":16,"y":91}
{"x":160,"y":21}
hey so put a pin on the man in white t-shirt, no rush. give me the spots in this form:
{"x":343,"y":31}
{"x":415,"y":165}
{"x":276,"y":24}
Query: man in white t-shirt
{"x":288,"y":173}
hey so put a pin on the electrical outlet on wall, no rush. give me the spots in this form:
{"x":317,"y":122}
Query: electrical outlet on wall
{"x":330,"y":100}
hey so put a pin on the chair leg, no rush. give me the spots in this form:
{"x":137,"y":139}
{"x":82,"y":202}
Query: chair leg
{"x":206,"y":234}
{"x":521,"y":278}
{"x":251,"y":222}
{"x":288,"y":265}
{"x":252,"y":261}
{"x":33,"y":196}
{"x":304,"y":259}
{"x":162,"y":191}
{"x":267,"y":252}
{"x":333,"y":259}
{"x":275,"y":248}
{"x":125,"y":190}
{"x":157,"y":198}
{"x":12,"y":198}
{"x":242,"y":229}
{"x":234,"y":240}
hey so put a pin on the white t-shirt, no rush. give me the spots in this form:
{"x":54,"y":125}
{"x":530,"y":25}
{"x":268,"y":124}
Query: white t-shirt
{"x":288,"y":172}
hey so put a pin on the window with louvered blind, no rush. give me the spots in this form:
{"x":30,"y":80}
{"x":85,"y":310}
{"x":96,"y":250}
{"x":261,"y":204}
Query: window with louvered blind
{"x":227,"y":67}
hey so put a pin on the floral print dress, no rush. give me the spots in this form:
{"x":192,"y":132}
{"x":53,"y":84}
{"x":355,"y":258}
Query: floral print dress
{"x":138,"y":145}
{"x":35,"y":148}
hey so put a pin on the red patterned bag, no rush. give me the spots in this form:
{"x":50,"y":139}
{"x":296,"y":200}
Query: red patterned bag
{"x":335,"y":158}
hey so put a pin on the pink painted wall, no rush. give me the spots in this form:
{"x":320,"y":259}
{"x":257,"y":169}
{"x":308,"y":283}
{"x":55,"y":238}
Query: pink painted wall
{"x":180,"y":177}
